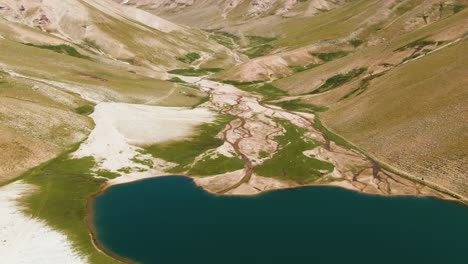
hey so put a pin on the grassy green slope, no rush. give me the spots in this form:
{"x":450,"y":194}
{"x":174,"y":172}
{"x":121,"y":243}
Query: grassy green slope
{"x":334,"y":24}
{"x":373,"y":57}
{"x":64,"y":185}
{"x":413,"y":118}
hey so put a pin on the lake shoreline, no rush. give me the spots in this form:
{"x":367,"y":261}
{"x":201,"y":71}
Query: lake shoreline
{"x":102,"y":248}
{"x":91,"y":204}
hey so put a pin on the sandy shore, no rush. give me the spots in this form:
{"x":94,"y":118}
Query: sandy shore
{"x":27,"y":240}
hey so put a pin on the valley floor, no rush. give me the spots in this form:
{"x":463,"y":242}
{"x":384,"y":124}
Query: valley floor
{"x":277,"y":149}
{"x":265,"y":138}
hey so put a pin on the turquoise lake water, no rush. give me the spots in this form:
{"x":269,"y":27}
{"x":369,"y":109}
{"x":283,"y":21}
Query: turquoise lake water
{"x":169,"y":220}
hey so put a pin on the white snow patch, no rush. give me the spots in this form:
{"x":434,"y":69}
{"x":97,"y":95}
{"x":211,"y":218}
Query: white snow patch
{"x":121,"y":128}
{"x":27,"y":240}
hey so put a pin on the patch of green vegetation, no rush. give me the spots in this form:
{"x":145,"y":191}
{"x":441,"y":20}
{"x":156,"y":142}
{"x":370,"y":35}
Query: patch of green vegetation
{"x":63,"y":49}
{"x":189,"y":57}
{"x":195,"y":72}
{"x":338,"y":80}
{"x":297,"y":68}
{"x":356,"y":42}
{"x":176,"y":80}
{"x":258,"y":46}
{"x":259,"y":40}
{"x":458,"y":8}
{"x":146,"y":162}
{"x":125,"y":170}
{"x":226,"y":39}
{"x":214,"y":166}
{"x":268,"y":90}
{"x":364,"y":84}
{"x":290,"y":163}
{"x":418,"y":44}
{"x":203,"y":100}
{"x":229,"y":35}
{"x":64,"y":184}
{"x":184,"y":152}
{"x":298,"y":106}
{"x":107,"y":174}
{"x":238,"y":83}
{"x":85,"y":109}
{"x":263,"y":154}
{"x":258,"y":51}
{"x":406,"y":6}
{"x":326,"y":57}
{"x":223,"y":41}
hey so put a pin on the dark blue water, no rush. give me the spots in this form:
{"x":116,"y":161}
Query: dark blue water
{"x":169,"y":221}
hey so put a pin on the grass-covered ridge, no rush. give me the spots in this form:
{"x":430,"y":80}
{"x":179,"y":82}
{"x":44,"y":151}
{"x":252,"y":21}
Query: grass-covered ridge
{"x":63,"y":187}
{"x":63,"y":49}
{"x":184,"y":152}
{"x":290,"y":163}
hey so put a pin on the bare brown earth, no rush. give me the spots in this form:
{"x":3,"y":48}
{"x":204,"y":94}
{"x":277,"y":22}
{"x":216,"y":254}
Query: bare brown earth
{"x":254,"y":131}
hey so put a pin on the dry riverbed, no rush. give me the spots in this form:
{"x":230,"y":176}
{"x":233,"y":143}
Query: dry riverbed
{"x":253,"y":137}
{"x":122,"y":130}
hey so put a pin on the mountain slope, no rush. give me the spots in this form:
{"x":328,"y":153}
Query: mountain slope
{"x":55,"y":53}
{"x":415,"y":118}
{"x":243,"y":96}
{"x":118,"y":32}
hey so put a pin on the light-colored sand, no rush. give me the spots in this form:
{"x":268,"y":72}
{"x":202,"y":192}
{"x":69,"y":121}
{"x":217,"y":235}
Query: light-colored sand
{"x":244,"y":189}
{"x":221,"y":182}
{"x":26,"y":240}
{"x":122,"y":128}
